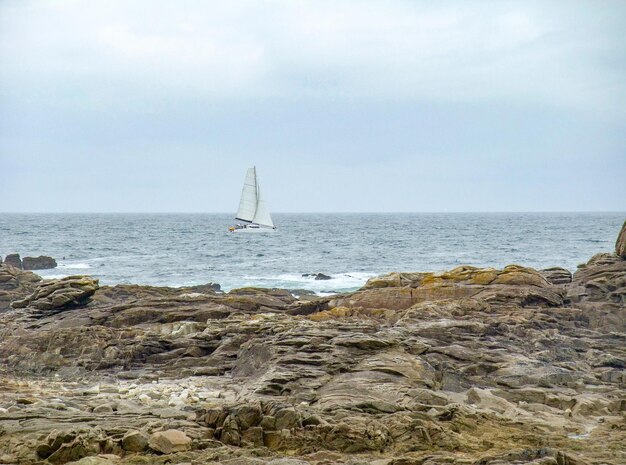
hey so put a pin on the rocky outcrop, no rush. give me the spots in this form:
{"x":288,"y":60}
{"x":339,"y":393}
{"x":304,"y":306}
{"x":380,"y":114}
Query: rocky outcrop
{"x":317,"y":276}
{"x":55,"y":295}
{"x":472,"y":365}
{"x":15,"y":284}
{"x":620,"y":243}
{"x":599,"y":289}
{"x":14,"y":260}
{"x":39,"y":263}
{"x":513,"y":285}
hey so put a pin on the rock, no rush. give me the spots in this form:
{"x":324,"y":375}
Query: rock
{"x":98,"y":460}
{"x":253,"y":437}
{"x":39,"y":263}
{"x":135,"y":441}
{"x":104,"y":408}
{"x":620,"y":243}
{"x":248,"y":415}
{"x":513,"y":285}
{"x":470,"y":365}
{"x":287,"y":418}
{"x":58,"y":294}
{"x":557,"y":275}
{"x":169,"y":441}
{"x":8,"y":459}
{"x":317,"y":276}
{"x":13,"y":259}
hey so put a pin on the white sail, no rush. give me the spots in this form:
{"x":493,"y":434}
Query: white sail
{"x":252,"y":207}
{"x":262,"y":215}
{"x":249,"y":200}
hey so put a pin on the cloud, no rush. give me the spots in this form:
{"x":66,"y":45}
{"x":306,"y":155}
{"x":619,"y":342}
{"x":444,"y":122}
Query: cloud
{"x":447,"y":51}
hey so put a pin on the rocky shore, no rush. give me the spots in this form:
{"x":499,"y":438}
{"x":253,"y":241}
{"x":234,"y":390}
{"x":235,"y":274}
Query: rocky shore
{"x":468,"y":366}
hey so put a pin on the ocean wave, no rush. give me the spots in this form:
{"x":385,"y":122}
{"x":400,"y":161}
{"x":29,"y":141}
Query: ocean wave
{"x":338,"y":282}
{"x":81,"y":266}
{"x":54,"y":276}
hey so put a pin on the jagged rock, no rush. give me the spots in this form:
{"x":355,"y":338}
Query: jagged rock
{"x":317,"y":276}
{"x":135,"y":441}
{"x":620,"y":243}
{"x":169,"y":441}
{"x":66,"y":446}
{"x":39,"y":263}
{"x":58,"y":294}
{"x":13,"y":259}
{"x":599,"y":289}
{"x":15,"y":284}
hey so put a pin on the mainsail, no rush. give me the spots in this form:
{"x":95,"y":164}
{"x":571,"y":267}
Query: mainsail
{"x":252,"y":207}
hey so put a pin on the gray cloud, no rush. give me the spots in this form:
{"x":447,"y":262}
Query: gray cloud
{"x":344,"y":106}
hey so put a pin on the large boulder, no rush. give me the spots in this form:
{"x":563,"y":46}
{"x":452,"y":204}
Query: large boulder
{"x":39,"y":263}
{"x":13,"y":259}
{"x":169,"y":441}
{"x":58,"y":294}
{"x":135,"y":441}
{"x":620,"y":243}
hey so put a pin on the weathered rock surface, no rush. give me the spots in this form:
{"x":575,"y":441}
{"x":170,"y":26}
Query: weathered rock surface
{"x":557,"y":275}
{"x":620,"y":243}
{"x":169,"y":441}
{"x":473,"y":365}
{"x":13,"y":259}
{"x":39,"y":263}
{"x":55,"y":295}
{"x":15,"y":284}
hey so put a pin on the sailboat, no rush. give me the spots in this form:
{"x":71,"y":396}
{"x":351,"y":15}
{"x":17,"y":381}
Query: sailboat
{"x":253,"y":210}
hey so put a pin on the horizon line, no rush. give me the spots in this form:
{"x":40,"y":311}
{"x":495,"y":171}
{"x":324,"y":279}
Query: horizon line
{"x":298,"y":213}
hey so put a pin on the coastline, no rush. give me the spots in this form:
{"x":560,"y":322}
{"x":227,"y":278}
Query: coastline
{"x":471,"y":365}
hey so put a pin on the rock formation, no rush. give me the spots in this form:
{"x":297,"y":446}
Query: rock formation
{"x":472,"y":365}
{"x":14,"y":260}
{"x":55,"y":295}
{"x":620,"y":243}
{"x":39,"y":263}
{"x":15,"y":284}
{"x":317,"y":276}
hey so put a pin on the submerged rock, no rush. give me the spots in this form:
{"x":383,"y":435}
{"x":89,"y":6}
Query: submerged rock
{"x":317,"y":276}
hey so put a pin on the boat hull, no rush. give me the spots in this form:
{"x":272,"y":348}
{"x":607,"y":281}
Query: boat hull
{"x":255,"y":228}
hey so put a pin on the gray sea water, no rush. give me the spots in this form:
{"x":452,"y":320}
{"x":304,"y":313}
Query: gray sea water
{"x":188,"y":249}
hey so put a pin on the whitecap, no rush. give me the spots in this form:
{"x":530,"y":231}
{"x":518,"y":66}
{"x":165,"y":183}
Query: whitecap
{"x":82,"y":266}
{"x":54,"y":276}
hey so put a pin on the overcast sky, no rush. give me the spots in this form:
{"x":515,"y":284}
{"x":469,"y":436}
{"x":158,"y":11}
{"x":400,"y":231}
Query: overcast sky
{"x":146,"y":106}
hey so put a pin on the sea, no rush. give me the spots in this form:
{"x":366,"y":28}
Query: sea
{"x":191,"y":249}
